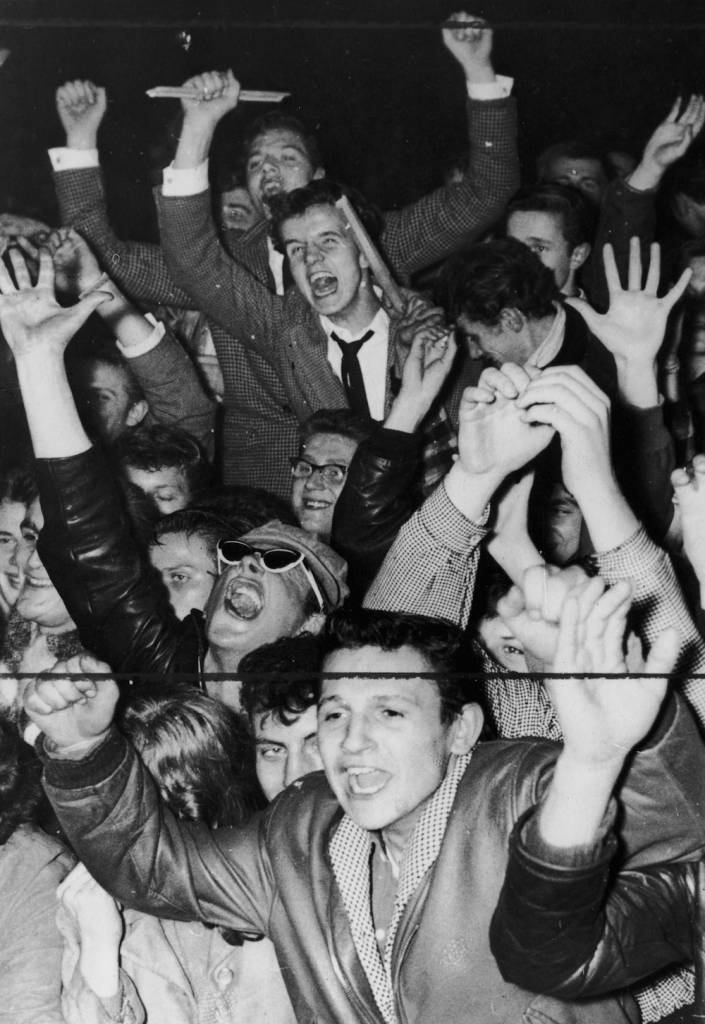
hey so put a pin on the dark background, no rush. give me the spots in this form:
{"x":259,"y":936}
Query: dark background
{"x":373,"y":78}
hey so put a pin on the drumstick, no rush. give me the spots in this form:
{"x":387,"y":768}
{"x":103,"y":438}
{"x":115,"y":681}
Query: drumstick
{"x":178,"y":92}
{"x":369,"y":250}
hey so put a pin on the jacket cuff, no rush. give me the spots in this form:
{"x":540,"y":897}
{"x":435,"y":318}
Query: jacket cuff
{"x":98,"y":765}
{"x":393,"y":444}
{"x":551,"y":862}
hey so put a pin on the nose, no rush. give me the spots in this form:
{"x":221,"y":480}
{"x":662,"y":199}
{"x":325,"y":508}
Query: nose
{"x":252,"y":564}
{"x":33,"y":561}
{"x":315,"y":480}
{"x":357,"y":737}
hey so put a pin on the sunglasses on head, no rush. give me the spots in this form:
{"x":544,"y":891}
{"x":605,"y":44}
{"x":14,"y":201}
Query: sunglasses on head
{"x":274,"y":560}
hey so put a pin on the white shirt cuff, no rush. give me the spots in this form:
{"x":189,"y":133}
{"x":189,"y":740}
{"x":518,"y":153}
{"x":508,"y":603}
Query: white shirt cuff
{"x":65,"y":159}
{"x":187,"y":181}
{"x":497,"y":90}
{"x":150,"y":342}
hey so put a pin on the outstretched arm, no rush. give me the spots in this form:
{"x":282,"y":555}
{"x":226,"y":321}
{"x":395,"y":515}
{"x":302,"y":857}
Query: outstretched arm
{"x":137,"y":267}
{"x":436,"y":225}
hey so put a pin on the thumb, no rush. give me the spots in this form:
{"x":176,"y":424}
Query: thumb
{"x":664,"y":653}
{"x":589,"y":315}
{"x":77,"y":315}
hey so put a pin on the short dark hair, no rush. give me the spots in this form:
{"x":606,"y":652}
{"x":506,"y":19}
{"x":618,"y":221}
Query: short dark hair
{"x":18,"y":483}
{"x":437,"y":640}
{"x":246,"y":508}
{"x":20,"y":780}
{"x":194,"y":522}
{"x":320,"y":192}
{"x":276,"y":120}
{"x":571,"y":149}
{"x":282,"y":678}
{"x":199,"y":752}
{"x":336,"y":421}
{"x":99,"y":349}
{"x":157,"y":446}
{"x":578,"y":216}
{"x":489,"y":277}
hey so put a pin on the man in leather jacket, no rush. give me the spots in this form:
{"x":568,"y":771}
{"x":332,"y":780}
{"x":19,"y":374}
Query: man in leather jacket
{"x":378,"y":881}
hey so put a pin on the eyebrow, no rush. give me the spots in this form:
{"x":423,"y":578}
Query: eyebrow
{"x":27,"y":524}
{"x":261,"y":741}
{"x":380,"y":698}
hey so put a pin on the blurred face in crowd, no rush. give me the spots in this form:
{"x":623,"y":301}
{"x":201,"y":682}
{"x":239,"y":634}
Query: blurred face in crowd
{"x":237,"y":211}
{"x":187,"y":568}
{"x":562,"y":528}
{"x":167,"y":487}
{"x":277,"y":162}
{"x":250,"y":606}
{"x":106,"y":401}
{"x":39,"y":600}
{"x":543,"y":233}
{"x":502,"y":644}
{"x":313,"y":497}
{"x":383,"y":744}
{"x":285,"y":750}
{"x":326,"y":265}
{"x":585,"y":174}
{"x":508,"y":341}
{"x":12,"y":514}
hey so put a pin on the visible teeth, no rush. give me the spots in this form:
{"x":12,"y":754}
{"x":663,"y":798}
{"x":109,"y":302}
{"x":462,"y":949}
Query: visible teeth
{"x":40,"y":584}
{"x":322,"y":283}
{"x":366,"y":781}
{"x":309,"y":503}
{"x":244,"y":599}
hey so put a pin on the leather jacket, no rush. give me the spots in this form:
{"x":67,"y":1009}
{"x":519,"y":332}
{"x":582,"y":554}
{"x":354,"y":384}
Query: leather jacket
{"x":117,"y":601}
{"x":274,"y":875}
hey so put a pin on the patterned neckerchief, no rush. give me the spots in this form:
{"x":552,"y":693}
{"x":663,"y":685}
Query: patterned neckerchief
{"x":350,"y":853}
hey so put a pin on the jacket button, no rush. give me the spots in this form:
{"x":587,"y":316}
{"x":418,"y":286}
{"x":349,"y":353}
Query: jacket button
{"x":223,"y":978}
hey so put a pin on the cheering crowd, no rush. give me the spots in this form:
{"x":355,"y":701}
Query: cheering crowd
{"x":352,"y":583}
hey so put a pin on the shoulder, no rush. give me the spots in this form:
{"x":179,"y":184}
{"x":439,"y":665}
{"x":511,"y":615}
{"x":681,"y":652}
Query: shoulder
{"x":302,"y":815}
{"x":32,"y":859}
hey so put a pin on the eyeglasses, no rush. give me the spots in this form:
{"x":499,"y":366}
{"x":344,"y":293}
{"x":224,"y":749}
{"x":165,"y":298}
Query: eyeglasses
{"x":332,"y":472}
{"x":275,"y":560}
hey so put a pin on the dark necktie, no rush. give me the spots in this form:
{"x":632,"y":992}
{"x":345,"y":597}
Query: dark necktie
{"x":352,"y":374}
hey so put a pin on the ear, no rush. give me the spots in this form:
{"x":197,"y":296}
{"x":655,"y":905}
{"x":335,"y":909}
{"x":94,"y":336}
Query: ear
{"x":579,"y":254}
{"x":313,"y":624}
{"x":466,"y":729}
{"x":136,"y":413}
{"x":511,"y":319}
{"x":319,"y":172}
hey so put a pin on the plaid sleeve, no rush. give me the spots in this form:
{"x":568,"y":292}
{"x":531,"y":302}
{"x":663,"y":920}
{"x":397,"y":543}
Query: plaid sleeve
{"x":136,"y":267}
{"x":428,"y":230}
{"x":430,"y":569}
{"x":657,"y":604}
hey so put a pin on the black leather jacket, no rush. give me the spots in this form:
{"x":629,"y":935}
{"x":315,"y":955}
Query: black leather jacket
{"x":117,"y":601}
{"x":274,"y":876}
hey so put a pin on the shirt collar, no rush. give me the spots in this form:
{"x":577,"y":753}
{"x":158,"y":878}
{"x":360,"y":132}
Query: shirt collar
{"x":379,"y":324}
{"x":551,"y":344}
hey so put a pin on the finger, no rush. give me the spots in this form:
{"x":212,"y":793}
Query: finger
{"x":678,"y":289}
{"x":582,"y":406}
{"x":26,"y":246}
{"x":673,"y":112}
{"x":614,"y":285}
{"x":687,"y":111}
{"x":634,"y":272}
{"x":45,"y":277}
{"x":680,"y":478}
{"x":517,"y":375}
{"x":512,"y":604}
{"x":699,"y":118}
{"x":653,"y":278}
{"x":78,"y":314}
{"x":20,"y":270}
{"x":566,"y":655}
{"x":496,"y":380}
{"x":664,"y":653}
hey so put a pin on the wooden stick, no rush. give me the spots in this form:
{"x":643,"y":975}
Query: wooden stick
{"x":178,"y":92}
{"x":369,"y":250}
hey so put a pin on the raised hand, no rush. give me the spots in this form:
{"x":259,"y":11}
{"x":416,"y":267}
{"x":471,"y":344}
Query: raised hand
{"x":634,"y":325}
{"x":81,"y":107}
{"x":565,"y":398}
{"x":72,"y":711}
{"x":218,"y":95}
{"x":532,"y":610}
{"x":471,"y":46}
{"x":669,"y":142}
{"x":30,"y":317}
{"x":494,"y":436}
{"x":426,"y":368}
{"x":76,"y":269}
{"x":602,"y":719}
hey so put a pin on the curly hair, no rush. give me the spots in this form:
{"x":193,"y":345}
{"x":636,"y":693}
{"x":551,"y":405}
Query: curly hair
{"x":281,"y":678}
{"x":20,"y":780}
{"x":489,"y":277}
{"x":320,"y":192}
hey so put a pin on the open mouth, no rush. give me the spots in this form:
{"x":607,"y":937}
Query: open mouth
{"x":311,"y":505}
{"x":322,"y":284}
{"x":244,"y":599}
{"x":38,"y":584}
{"x":271,"y":188}
{"x":363,"y":781}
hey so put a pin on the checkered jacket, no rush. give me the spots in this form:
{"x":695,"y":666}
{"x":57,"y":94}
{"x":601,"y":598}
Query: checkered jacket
{"x":259,"y":430}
